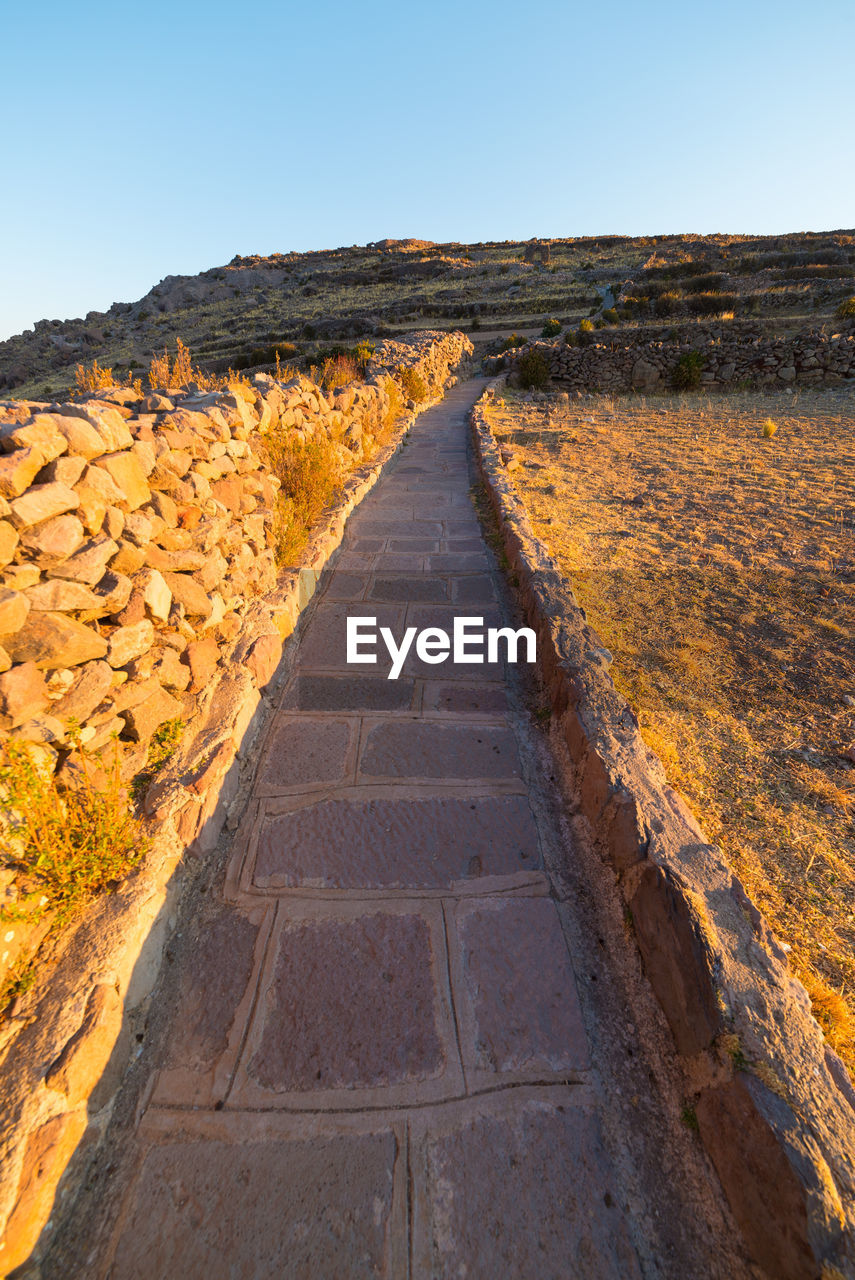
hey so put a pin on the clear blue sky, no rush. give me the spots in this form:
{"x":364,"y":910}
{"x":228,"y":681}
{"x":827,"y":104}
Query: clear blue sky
{"x":146,"y":139}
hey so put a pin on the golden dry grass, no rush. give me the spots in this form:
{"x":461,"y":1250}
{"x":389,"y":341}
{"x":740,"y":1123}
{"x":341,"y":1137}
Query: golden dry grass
{"x":715,"y":557}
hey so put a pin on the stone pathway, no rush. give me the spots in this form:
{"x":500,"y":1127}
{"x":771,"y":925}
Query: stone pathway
{"x":377,"y":1063}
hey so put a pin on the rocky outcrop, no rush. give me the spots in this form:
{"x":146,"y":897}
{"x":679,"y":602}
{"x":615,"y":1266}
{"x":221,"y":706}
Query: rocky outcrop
{"x":774,"y":1106}
{"x":139,"y":588}
{"x":728,"y":359}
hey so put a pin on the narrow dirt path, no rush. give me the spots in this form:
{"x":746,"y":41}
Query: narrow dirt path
{"x":374,"y":1058}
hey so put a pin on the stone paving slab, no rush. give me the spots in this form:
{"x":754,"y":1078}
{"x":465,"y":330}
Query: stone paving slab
{"x":435,"y":842}
{"x":519,"y":1186}
{"x":464,"y":699}
{"x":516,"y":998}
{"x":321,"y":692}
{"x":300,"y":753}
{"x":311,"y":1208}
{"x":213,"y":1007}
{"x":354,"y":1010}
{"x":416,"y":750}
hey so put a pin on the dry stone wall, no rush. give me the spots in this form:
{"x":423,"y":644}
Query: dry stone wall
{"x":731,"y":357}
{"x":774,"y":1105}
{"x":139,"y":586}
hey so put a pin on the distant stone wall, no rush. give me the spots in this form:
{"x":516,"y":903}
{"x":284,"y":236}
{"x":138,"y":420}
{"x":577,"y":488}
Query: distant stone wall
{"x":138,"y":585}
{"x":730,"y":360}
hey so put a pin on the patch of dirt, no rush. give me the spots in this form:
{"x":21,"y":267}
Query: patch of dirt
{"x":715,"y":556}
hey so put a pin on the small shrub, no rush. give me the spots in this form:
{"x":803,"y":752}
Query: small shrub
{"x":586,"y":326}
{"x":533,"y":370}
{"x":668,"y":303}
{"x":160,"y":748}
{"x":710,"y":304}
{"x":551,"y":329}
{"x":610,"y":315}
{"x":846,"y":310}
{"x":71,"y":842}
{"x":94,"y":378}
{"x":412,"y":384}
{"x":687,"y":374}
{"x":769,"y":429}
{"x":513,"y":341}
{"x":310,"y":473}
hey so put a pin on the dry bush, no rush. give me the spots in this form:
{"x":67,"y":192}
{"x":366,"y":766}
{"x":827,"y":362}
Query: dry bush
{"x":310,"y":473}
{"x":93,"y":378}
{"x":337,"y":371}
{"x":69,"y":843}
{"x":180,"y":372}
{"x":412,"y":383}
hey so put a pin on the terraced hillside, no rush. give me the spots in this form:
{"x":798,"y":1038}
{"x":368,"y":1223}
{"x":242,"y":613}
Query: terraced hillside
{"x":239,"y":314}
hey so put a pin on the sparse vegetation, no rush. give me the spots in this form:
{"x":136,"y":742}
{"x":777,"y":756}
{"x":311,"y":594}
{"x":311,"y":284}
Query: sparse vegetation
{"x":846,"y":310}
{"x":737,"y":652}
{"x":533,"y":370}
{"x":412,"y":384}
{"x":93,"y":378}
{"x":687,"y":374}
{"x":68,"y":842}
{"x":551,"y":329}
{"x":179,"y":371}
{"x":310,"y":472}
{"x":160,"y":748}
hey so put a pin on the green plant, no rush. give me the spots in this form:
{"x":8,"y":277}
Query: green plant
{"x":689,"y":1117}
{"x":71,"y":841}
{"x":769,"y":429}
{"x":160,"y":748}
{"x":846,"y":310}
{"x":586,"y":326}
{"x":513,"y":341}
{"x":610,"y":315}
{"x":533,"y":369}
{"x":412,"y":383}
{"x":551,"y":329}
{"x":687,"y":373}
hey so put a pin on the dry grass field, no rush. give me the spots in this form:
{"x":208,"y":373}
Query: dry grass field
{"x":711,"y":543}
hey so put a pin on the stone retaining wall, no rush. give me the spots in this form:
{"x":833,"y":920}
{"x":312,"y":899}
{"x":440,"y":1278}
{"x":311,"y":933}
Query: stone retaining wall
{"x":775,"y":1108}
{"x":139,"y":587}
{"x":730,"y":358}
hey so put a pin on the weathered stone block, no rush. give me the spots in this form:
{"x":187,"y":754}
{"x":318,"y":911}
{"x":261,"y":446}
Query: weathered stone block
{"x":127,"y":643}
{"x":42,"y":502}
{"x":146,"y":718}
{"x":55,"y":540}
{"x":60,"y":596}
{"x":187,"y":592}
{"x":764,"y":1190}
{"x":52,"y":640}
{"x":89,"y":563}
{"x":83,"y":1058}
{"x":677,"y":954}
{"x":23,"y":694}
{"x":18,"y":470}
{"x":126,"y":471}
{"x":14,"y":607}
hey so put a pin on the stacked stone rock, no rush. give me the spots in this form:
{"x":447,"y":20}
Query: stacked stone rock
{"x":646,"y":366}
{"x":431,"y":354}
{"x":136,"y":561}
